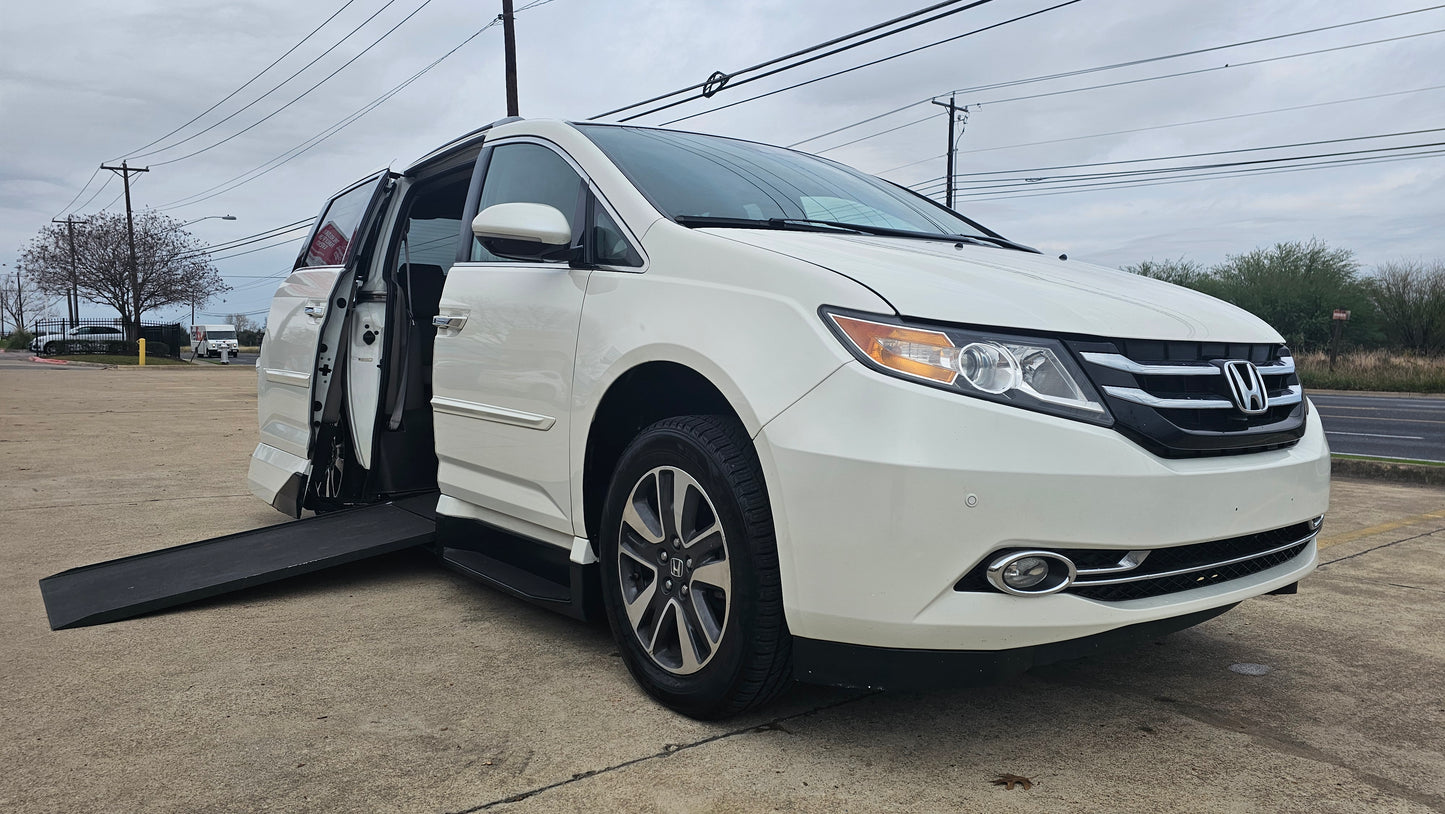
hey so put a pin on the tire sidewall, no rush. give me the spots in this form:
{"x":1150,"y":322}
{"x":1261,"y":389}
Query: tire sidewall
{"x":695,"y":693}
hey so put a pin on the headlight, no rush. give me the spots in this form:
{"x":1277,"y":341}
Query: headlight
{"x":1029,"y":372}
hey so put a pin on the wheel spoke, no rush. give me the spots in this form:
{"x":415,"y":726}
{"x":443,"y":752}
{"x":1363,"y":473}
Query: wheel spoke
{"x":665,"y":496}
{"x":633,"y":519}
{"x":638,"y":605}
{"x":700,"y":613}
{"x":634,"y":550}
{"x":685,"y":497}
{"x":716,"y":574}
{"x":686,"y":645}
{"x":706,"y":541}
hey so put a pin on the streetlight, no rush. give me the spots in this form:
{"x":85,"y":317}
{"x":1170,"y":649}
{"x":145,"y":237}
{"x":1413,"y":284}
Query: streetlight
{"x":208,"y":217}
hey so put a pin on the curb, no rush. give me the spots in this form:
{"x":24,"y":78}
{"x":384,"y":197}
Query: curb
{"x":1387,"y":471}
{"x":90,"y":365}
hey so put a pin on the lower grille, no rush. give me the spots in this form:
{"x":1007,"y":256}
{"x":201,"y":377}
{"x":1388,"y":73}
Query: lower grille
{"x":1111,"y":575}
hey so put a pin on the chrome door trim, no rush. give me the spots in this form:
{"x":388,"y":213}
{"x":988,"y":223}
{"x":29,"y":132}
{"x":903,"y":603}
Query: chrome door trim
{"x":489,"y":412}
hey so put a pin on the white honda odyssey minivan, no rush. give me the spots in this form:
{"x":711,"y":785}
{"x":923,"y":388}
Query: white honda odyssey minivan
{"x":778,"y":419}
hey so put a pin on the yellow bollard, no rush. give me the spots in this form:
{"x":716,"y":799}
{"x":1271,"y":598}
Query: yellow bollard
{"x":141,"y":343}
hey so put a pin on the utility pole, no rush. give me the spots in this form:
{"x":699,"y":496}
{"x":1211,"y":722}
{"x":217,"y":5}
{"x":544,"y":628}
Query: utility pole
{"x":953,"y":111}
{"x":509,"y":38}
{"x":72,"y":297}
{"x":124,"y":171}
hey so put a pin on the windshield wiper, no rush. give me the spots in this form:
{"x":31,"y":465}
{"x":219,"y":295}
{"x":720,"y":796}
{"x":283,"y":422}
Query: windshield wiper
{"x":857,"y":228}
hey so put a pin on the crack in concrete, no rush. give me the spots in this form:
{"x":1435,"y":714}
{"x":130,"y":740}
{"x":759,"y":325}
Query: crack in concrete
{"x":135,"y":502}
{"x":1269,"y":739}
{"x":1380,"y":546}
{"x":668,"y":750}
{"x":1381,"y":582}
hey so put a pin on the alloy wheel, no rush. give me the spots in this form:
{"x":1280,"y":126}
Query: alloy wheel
{"x":672,"y":561}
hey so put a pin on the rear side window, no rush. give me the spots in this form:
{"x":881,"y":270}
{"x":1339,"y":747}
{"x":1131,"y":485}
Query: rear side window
{"x":338,"y":226}
{"x":527,"y":173}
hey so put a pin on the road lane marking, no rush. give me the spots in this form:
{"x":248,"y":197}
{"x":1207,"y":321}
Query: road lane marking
{"x":1377,"y":435}
{"x":1377,"y":418}
{"x":1360,"y":534}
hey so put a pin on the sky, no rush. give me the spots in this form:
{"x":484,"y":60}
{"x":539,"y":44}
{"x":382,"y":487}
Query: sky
{"x":84,"y":82}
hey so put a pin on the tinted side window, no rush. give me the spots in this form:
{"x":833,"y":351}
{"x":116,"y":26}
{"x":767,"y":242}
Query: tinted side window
{"x":338,"y":227}
{"x":609,"y":246}
{"x":527,"y":173}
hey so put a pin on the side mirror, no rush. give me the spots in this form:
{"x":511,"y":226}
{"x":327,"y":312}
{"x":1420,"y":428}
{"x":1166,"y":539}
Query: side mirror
{"x":524,"y":231}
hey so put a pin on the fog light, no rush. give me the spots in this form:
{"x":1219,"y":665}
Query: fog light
{"x":1025,"y":573}
{"x":1031,"y":573}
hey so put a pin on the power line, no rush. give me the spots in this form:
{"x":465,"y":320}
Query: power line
{"x":302,"y":95}
{"x":985,"y":173}
{"x":275,"y":87}
{"x":313,"y":141}
{"x":1172,"y":124}
{"x":726,"y":78}
{"x":248,"y":82}
{"x":871,"y":63}
{"x":1113,"y":66}
{"x":247,"y":240}
{"x":1004,"y":185}
{"x":83,"y":188}
{"x":1145,"y":79}
{"x":1205,"y":176}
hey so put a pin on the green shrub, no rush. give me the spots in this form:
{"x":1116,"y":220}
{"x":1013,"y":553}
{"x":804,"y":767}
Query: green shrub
{"x":20,"y":340}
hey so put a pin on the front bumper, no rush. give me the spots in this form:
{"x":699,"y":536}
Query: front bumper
{"x":886,"y":493}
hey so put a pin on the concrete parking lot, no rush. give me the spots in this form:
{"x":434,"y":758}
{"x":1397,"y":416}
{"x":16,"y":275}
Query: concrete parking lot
{"x":391,"y":685}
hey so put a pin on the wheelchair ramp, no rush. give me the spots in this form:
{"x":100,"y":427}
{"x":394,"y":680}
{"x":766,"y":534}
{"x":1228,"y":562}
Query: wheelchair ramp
{"x":131,"y":586}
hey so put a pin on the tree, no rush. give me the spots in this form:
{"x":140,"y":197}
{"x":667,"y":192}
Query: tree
{"x":22,"y":302}
{"x":248,"y":330}
{"x":1410,"y":299}
{"x":1187,"y":273}
{"x":172,"y":266}
{"x":1295,"y":287}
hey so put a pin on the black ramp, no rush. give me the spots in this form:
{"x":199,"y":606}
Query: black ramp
{"x":119,"y":589}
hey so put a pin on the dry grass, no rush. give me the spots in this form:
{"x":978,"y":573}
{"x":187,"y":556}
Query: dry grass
{"x":1372,"y":370}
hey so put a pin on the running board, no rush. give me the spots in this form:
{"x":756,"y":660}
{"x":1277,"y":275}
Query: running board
{"x":131,"y":586}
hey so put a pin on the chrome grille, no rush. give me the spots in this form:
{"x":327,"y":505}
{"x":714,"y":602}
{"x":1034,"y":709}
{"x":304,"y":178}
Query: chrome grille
{"x":1174,"y":398}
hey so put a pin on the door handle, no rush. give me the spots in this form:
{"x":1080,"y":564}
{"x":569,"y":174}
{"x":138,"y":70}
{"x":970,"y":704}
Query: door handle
{"x":315,"y":311}
{"x":448,"y":322}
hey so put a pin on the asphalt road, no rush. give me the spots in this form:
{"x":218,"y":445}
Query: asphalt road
{"x":1387,"y":426}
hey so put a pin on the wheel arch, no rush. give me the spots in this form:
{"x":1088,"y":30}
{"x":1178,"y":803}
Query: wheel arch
{"x":639,"y":397}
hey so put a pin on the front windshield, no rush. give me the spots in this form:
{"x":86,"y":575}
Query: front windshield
{"x":215,"y":335}
{"x":692,"y":175}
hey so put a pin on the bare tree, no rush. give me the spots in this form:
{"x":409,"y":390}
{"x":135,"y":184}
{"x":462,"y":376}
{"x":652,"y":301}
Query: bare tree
{"x":172,"y":266}
{"x":22,"y":301}
{"x":1410,"y":298}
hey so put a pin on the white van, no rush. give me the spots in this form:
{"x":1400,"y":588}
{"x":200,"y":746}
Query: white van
{"x":776,"y":418}
{"x":210,"y":340}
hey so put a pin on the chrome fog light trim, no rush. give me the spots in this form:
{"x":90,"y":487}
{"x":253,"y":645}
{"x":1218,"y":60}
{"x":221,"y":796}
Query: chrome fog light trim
{"x":1061,"y":573}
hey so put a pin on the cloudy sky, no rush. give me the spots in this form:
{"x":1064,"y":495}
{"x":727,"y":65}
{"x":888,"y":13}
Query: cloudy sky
{"x":85,"y":82}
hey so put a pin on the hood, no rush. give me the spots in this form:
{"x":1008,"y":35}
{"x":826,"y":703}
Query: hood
{"x":1003,"y":288}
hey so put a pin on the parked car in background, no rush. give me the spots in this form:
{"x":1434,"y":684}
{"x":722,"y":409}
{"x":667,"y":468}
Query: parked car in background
{"x":88,"y":337}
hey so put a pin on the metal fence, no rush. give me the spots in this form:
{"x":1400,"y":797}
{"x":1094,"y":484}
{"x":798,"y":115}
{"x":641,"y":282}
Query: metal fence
{"x":74,"y":336}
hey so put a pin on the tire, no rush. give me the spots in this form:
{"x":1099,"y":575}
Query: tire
{"x":49,"y":348}
{"x":704,"y":576}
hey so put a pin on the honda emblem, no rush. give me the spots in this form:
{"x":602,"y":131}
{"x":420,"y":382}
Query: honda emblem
{"x":1246,"y":387}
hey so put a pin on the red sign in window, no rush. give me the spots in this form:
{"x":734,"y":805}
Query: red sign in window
{"x":328,"y":248}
